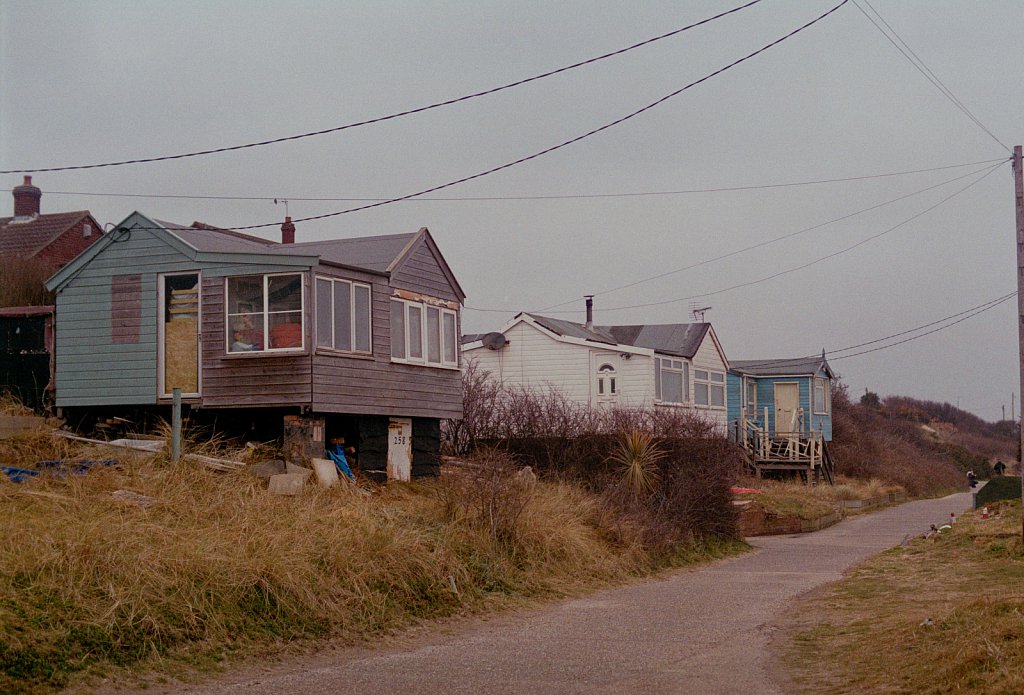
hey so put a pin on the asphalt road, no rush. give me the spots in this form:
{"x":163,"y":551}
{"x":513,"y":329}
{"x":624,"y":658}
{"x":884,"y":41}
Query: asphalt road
{"x":694,"y":631}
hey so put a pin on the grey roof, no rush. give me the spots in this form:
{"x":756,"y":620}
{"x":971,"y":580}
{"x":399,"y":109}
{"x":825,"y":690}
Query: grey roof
{"x":679,"y":339}
{"x":213,"y":240}
{"x":794,"y":366}
{"x":371,"y":252}
{"x":374,"y":253}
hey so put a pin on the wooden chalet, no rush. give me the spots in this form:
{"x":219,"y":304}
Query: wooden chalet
{"x":780,"y":413}
{"x":358,"y":336}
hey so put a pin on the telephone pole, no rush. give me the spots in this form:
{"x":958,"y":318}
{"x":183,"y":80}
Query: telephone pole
{"x":1018,"y":192}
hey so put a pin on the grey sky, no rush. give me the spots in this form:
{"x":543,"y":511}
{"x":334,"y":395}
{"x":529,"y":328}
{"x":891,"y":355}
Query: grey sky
{"x":84,"y":82}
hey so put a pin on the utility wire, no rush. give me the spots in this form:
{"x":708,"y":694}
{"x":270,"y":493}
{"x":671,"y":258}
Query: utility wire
{"x":817,"y":260}
{"x":985,"y":306}
{"x":772,"y":241}
{"x":400,"y":114}
{"x":566,"y":143}
{"x":783,"y":272}
{"x":934,"y":330}
{"x":569,"y":196}
{"x":923,"y":68}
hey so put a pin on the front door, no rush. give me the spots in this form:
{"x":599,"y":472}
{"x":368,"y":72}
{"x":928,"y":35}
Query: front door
{"x":179,"y":363}
{"x":399,"y":448}
{"x":787,"y":402}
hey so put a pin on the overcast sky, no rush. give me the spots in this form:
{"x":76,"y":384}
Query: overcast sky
{"x":88,"y":82}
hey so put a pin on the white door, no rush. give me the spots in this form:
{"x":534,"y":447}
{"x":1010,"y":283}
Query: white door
{"x":399,"y":448}
{"x":787,"y":402}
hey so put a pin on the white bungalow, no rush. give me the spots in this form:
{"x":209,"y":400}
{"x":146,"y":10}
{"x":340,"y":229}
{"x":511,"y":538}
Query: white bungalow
{"x":678,"y":365}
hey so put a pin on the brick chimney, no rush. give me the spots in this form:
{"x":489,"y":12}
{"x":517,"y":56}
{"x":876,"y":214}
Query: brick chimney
{"x":288,"y":231}
{"x":26,"y":199}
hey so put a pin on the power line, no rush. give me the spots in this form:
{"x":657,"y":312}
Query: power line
{"x":817,"y":260}
{"x":985,"y":306}
{"x":569,"y":196}
{"x":772,"y":241}
{"x":923,"y":68}
{"x":392,"y":116}
{"x":936,"y":330}
{"x":566,"y":143}
{"x":783,"y":272}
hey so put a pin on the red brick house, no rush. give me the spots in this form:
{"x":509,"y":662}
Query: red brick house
{"x":54,"y":238}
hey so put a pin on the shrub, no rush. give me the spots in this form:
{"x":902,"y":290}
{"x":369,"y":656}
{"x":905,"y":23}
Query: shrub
{"x":22,"y":281}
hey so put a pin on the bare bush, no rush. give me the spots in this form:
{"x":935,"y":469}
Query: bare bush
{"x":489,"y":493}
{"x":22,"y":282}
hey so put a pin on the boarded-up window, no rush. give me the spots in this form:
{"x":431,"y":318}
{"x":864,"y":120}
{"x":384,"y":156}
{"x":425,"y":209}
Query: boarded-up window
{"x":125,"y":308}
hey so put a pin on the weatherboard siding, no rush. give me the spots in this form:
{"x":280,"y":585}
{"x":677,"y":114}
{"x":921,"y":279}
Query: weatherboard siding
{"x":534,"y":360}
{"x":374,"y":385}
{"x":766,"y":399}
{"x":421,"y":272}
{"x":709,"y":358}
{"x":92,"y":367}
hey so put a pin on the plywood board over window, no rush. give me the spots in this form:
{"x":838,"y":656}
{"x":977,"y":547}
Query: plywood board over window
{"x":125,"y":309}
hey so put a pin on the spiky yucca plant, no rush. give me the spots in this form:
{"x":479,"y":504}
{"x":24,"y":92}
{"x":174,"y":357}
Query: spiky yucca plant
{"x":637,"y":456}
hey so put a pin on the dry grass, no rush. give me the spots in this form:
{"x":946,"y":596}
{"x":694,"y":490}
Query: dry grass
{"x":790,"y":498}
{"x":89,"y":583}
{"x":12,"y":405}
{"x":969,"y":582}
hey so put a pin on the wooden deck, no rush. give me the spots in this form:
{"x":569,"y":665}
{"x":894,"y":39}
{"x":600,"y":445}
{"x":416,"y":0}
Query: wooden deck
{"x":804,"y":453}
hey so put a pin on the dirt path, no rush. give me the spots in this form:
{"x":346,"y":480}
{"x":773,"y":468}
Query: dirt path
{"x":700,"y":631}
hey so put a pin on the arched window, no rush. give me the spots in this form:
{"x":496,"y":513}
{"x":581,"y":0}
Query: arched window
{"x":606,"y":385}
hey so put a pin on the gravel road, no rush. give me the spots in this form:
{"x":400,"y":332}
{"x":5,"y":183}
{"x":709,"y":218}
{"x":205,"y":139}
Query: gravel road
{"x":694,"y":631}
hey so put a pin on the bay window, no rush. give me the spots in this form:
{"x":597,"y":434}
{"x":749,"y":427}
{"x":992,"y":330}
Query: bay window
{"x":424,"y":334}
{"x":343,"y":315}
{"x":263,"y":313}
{"x":671,"y":380}
{"x":709,"y":388}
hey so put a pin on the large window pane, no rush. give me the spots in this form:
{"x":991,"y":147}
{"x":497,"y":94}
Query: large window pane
{"x":245,"y":295}
{"x":433,"y":335}
{"x":342,"y":316}
{"x":362,"y":317}
{"x":415,"y":332}
{"x":451,"y":342}
{"x":718,"y":396}
{"x":324,"y":313}
{"x":672,"y":387}
{"x":657,"y":379}
{"x":700,"y":393}
{"x":284,"y":292}
{"x":286,"y":330}
{"x":397,"y":329}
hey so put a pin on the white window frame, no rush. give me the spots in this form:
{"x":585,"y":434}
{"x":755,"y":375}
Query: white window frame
{"x":822,"y":407}
{"x":265,"y":312}
{"x":750,"y":389}
{"x":712,"y":384}
{"x":424,"y":359}
{"x":607,"y":370}
{"x":675,"y":366}
{"x":352,"y":315}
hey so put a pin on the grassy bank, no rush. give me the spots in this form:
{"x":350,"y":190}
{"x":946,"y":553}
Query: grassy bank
{"x":92,"y":585}
{"x":946,"y":612}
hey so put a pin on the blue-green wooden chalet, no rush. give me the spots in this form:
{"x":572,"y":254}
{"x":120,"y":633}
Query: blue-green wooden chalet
{"x":780,"y":410}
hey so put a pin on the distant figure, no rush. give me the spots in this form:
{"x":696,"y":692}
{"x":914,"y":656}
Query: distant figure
{"x":999,"y":468}
{"x":972,"y":479}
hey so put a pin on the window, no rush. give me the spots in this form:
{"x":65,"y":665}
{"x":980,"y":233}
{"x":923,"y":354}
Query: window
{"x":424,"y":334}
{"x":606,"y":385}
{"x":709,"y":388}
{"x":671,"y":380}
{"x":750,"y":385}
{"x":86,"y":230}
{"x":342,"y":315}
{"x":264,"y":313}
{"x":821,"y":396}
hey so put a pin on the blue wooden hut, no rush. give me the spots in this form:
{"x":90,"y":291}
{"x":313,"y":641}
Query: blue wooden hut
{"x":780,"y":412}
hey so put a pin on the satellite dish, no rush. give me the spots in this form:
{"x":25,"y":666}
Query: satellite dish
{"x":494,"y":341}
